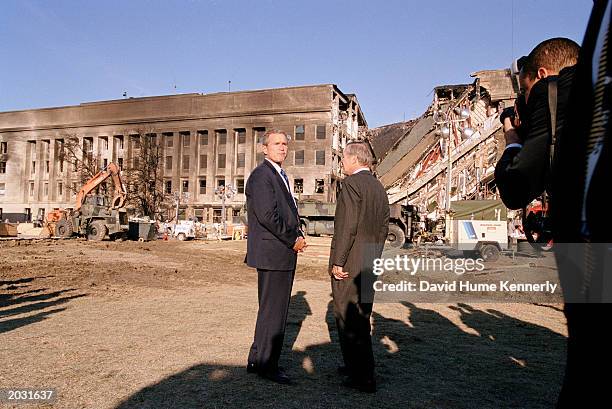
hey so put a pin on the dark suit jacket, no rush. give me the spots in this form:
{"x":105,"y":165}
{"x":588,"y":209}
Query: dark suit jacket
{"x":569,"y":170}
{"x":273,"y":221}
{"x":361,"y":223}
{"x":522,"y":174}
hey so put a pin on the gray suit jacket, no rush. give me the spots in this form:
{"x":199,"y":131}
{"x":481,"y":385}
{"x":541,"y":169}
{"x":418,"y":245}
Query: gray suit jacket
{"x":361,"y":224}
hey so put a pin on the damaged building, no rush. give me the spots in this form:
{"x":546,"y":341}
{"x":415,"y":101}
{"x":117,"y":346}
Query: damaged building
{"x":207,"y":140}
{"x":450,"y":152}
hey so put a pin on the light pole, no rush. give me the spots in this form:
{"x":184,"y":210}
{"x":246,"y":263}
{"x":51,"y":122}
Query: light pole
{"x":225,"y":192}
{"x":177,"y":198}
{"x":445,"y":124}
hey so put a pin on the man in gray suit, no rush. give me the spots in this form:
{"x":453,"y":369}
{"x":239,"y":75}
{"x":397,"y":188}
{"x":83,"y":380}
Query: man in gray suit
{"x":360,"y":230}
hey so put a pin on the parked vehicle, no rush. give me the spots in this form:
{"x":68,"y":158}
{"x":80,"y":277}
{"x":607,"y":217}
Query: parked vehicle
{"x":317,"y":218}
{"x":93,"y":216}
{"x":479,"y":227}
{"x":184,"y":229}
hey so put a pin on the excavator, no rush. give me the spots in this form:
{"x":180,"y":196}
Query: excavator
{"x":93,"y":216}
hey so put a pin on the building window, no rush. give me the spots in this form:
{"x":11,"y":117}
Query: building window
{"x":136,"y":163}
{"x":241,"y":135}
{"x":298,"y":185}
{"x":186,"y":137}
{"x":185,"y":162}
{"x":2,"y":189}
{"x":240,"y":161}
{"x":104,"y":163}
{"x":320,"y":131}
{"x":31,"y":189}
{"x":203,"y":186}
{"x":61,"y":166}
{"x":60,"y":189}
{"x":259,"y":133}
{"x":47,"y":167}
{"x":319,"y":186}
{"x":299,"y":132}
{"x":168,"y":187}
{"x":46,"y":189}
{"x":240,"y":186}
{"x":135,"y":139}
{"x":120,"y":163}
{"x":298,"y":158}
{"x":2,"y":167}
{"x":104,"y":142}
{"x":220,"y":182}
{"x":320,"y":157}
{"x":169,"y":139}
{"x":152,"y":138}
{"x":185,"y":186}
{"x":88,"y":145}
{"x":203,"y":161}
{"x":168,"y":162}
{"x":203,"y":135}
{"x":221,"y":161}
{"x":75,"y":190}
{"x":119,"y":141}
{"x":3,"y":147}
{"x":217,"y":213}
{"x":74,"y":165}
{"x":221,"y":136}
{"x":34,"y":167}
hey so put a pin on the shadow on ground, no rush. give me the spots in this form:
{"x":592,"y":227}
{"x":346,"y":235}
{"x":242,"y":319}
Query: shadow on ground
{"x":18,"y":300}
{"x":423,"y":361}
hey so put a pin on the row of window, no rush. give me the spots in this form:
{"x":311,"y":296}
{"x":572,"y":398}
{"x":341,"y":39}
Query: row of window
{"x":298,"y":159}
{"x":202,"y":186}
{"x":45,"y":193}
{"x":221,"y":135}
{"x":185,"y":137}
{"x":298,"y":186}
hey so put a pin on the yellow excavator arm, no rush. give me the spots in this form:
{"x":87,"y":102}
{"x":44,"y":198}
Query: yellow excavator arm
{"x":112,"y":170}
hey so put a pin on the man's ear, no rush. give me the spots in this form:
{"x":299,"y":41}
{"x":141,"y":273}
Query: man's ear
{"x":543,"y":73}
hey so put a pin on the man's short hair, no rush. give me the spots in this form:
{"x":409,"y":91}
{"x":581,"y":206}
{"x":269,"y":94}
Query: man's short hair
{"x":361,"y":151}
{"x":553,"y":54}
{"x":266,"y":137}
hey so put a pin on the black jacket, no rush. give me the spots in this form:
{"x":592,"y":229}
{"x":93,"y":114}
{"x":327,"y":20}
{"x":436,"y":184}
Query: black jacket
{"x":273,"y":221}
{"x":571,"y":155}
{"x":522,"y":174}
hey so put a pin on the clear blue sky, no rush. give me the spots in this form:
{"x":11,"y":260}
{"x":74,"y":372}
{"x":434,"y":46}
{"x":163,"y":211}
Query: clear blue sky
{"x":390,"y":53}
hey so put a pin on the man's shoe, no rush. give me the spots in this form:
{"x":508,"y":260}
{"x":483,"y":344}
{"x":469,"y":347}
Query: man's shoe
{"x":366,"y":385}
{"x":278,"y":377}
{"x":251,"y":368}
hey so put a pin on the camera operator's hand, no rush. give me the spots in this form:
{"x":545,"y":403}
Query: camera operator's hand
{"x":510,"y":132}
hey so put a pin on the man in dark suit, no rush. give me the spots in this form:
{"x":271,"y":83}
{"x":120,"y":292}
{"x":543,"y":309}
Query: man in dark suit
{"x":582,"y":227}
{"x":523,"y":171}
{"x":360,"y":229}
{"x":579,"y":180}
{"x":274,"y":239}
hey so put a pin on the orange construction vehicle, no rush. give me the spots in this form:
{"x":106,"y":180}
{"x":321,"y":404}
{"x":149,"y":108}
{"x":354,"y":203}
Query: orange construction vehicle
{"x":93,"y":216}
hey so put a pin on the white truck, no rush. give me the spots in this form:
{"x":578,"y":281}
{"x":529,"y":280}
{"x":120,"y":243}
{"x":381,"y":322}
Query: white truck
{"x":184,"y":229}
{"x":479,"y":227}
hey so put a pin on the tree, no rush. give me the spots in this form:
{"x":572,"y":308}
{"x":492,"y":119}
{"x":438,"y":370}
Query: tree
{"x":144,"y":175}
{"x":83,"y":164}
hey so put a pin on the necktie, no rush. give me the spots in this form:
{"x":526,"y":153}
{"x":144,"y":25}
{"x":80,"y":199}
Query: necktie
{"x":284,"y":175}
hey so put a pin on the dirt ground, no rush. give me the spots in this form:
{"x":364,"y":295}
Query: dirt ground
{"x":169,"y":324}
